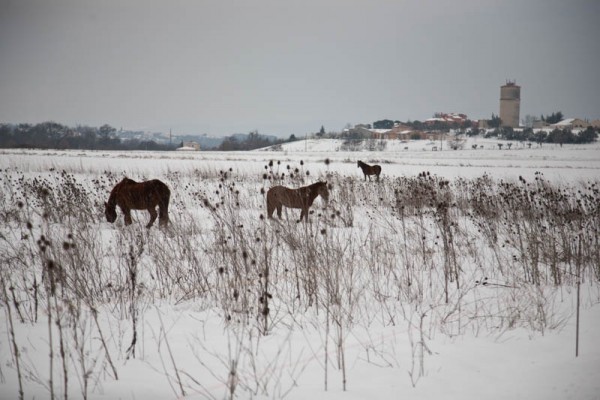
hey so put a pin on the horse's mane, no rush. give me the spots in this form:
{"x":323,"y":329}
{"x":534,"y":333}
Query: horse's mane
{"x":126,"y":180}
{"x":312,"y":191}
{"x":316,"y":184}
{"x":112,"y":199}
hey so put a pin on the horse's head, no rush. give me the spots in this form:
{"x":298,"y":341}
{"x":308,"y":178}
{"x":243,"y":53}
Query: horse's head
{"x":358,"y":163}
{"x":110,"y":212}
{"x":323,"y":191}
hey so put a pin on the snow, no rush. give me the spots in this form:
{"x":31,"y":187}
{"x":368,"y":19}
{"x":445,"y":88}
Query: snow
{"x":565,"y":122}
{"x":472,"y":360}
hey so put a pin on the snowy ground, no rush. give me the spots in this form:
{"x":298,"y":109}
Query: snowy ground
{"x":556,"y":162}
{"x":417,"y":347}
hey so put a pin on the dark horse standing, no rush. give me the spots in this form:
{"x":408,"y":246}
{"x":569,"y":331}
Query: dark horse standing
{"x":369,"y":170}
{"x":131,"y":195}
{"x":279,"y":196}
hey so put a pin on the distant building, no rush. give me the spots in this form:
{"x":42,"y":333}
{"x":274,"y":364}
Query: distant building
{"x":382,"y":134}
{"x":510,"y":104}
{"x":360,"y":131}
{"x":189,"y":146}
{"x":571,"y":123}
{"x":458,"y":118}
{"x":398,"y":132}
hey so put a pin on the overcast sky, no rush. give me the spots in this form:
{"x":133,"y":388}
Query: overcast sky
{"x":283,"y":67}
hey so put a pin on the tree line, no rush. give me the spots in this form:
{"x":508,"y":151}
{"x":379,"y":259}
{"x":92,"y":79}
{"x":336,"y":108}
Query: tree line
{"x":52,"y":135}
{"x":559,"y":136}
{"x":251,"y":141}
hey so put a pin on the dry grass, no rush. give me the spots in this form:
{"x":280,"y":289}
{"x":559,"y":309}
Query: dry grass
{"x":421,"y":250}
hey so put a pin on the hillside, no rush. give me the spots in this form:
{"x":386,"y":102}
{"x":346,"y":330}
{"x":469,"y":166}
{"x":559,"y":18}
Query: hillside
{"x":336,"y":145}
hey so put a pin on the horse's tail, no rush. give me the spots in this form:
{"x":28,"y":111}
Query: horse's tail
{"x":165,"y":198}
{"x":163,"y":206}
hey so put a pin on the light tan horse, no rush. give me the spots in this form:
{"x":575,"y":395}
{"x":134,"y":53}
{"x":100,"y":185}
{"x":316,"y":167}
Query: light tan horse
{"x":279,"y":196}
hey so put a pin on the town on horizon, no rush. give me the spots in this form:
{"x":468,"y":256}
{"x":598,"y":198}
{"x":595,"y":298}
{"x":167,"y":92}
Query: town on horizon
{"x":508,"y":120}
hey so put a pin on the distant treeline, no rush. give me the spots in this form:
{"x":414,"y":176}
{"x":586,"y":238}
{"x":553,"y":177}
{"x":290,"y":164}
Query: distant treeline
{"x":251,"y":141}
{"x":560,"y":136}
{"x":52,"y":135}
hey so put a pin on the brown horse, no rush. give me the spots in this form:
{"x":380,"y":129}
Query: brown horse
{"x":369,"y":170}
{"x":131,"y":195}
{"x":279,"y":196}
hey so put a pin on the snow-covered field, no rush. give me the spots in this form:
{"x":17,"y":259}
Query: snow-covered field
{"x":556,"y":162}
{"x":460,"y":283}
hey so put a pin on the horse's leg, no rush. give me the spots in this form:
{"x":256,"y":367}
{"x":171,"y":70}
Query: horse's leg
{"x":270,"y":209}
{"x":153,"y":215}
{"x":127,"y":214}
{"x":304,"y":213}
{"x":279,"y":210}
